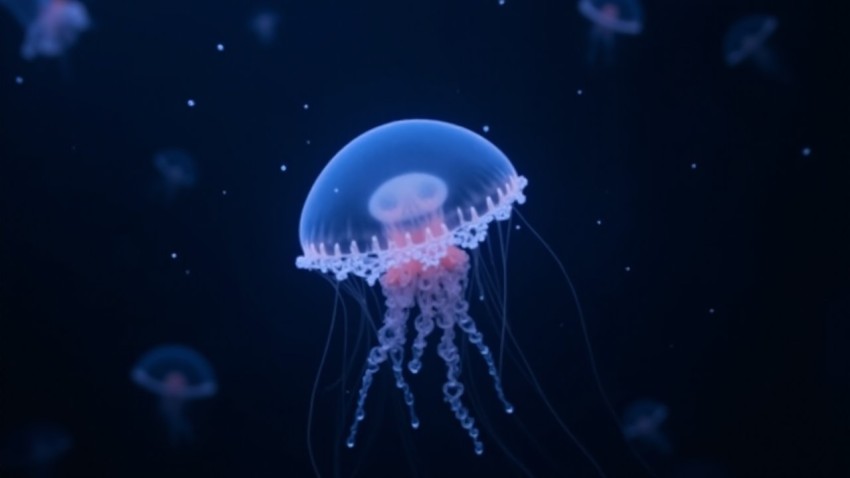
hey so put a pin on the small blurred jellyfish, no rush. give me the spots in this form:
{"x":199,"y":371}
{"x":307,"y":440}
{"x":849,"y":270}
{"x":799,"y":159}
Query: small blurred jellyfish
{"x":746,"y":41}
{"x":51,"y":26}
{"x":177,"y":374}
{"x":35,"y":449}
{"x":264,"y":25}
{"x":642,"y":423}
{"x":177,"y":172}
{"x":610,"y":18}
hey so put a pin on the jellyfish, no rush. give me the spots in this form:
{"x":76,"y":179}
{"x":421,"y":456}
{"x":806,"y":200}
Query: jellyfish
{"x":51,"y":26}
{"x":35,"y":448}
{"x":746,"y":41}
{"x":177,"y":172}
{"x":399,"y":205}
{"x":264,"y":24}
{"x":177,"y":374}
{"x":610,"y":18}
{"x":642,"y":422}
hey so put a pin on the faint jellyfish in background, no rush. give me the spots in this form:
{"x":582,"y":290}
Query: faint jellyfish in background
{"x":746,"y":42}
{"x":642,"y":423}
{"x":35,"y":449}
{"x":51,"y":26}
{"x":264,"y":24}
{"x":177,"y":374}
{"x":177,"y":172}
{"x":610,"y":18}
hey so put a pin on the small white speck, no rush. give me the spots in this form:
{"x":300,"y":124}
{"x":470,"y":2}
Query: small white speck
{"x":711,"y":311}
{"x":19,"y":80}
{"x":485,"y":128}
{"x":579,"y":92}
{"x":191,"y":103}
{"x":517,"y":227}
{"x":806,"y":151}
{"x":283,"y":168}
{"x":174,"y":255}
{"x":219,"y":47}
{"x":481,"y":297}
{"x":308,"y":142}
{"x":306,"y":106}
{"x":336,"y":190}
{"x":628,"y":268}
{"x":693,"y":165}
{"x":224,"y":192}
{"x":187,"y":272}
{"x":599,"y":222}
{"x":501,"y":2}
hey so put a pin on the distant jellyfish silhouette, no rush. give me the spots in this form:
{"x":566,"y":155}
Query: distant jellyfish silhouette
{"x":177,"y":172}
{"x":610,"y":18}
{"x":35,"y":449}
{"x":642,"y":423}
{"x":746,"y":41}
{"x":51,"y":26}
{"x":264,"y":24}
{"x":177,"y":374}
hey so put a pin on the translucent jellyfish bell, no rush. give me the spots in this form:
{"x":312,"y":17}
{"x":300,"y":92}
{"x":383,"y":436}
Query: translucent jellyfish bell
{"x":176,"y":374}
{"x":51,"y":26}
{"x":610,"y":18}
{"x":402,"y":191}
{"x":642,"y":422}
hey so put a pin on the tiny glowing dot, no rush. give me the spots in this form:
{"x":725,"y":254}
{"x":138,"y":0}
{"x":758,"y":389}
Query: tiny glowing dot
{"x":174,"y":255}
{"x":628,"y":268}
{"x":187,"y":272}
{"x":579,"y":92}
{"x":282,"y":168}
{"x":336,"y":190}
{"x":191,"y":103}
{"x":711,"y":310}
{"x":19,"y":80}
{"x":219,"y":47}
{"x":486,"y":128}
{"x":501,"y":2}
{"x":481,"y":297}
{"x":807,"y":151}
{"x":306,"y":106}
{"x":517,"y":227}
{"x":599,"y":222}
{"x":693,"y":165}
{"x":308,"y":142}
{"x":224,"y":192}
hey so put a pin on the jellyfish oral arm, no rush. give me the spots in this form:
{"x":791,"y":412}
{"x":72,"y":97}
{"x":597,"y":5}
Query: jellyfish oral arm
{"x":438,"y":291}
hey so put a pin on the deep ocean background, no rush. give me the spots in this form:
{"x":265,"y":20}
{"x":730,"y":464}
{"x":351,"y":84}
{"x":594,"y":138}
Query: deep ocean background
{"x":756,"y":232}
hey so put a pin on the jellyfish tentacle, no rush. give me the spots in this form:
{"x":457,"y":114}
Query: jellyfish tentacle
{"x":391,"y":339}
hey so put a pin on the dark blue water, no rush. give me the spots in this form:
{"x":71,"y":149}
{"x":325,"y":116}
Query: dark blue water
{"x":708,"y":250}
